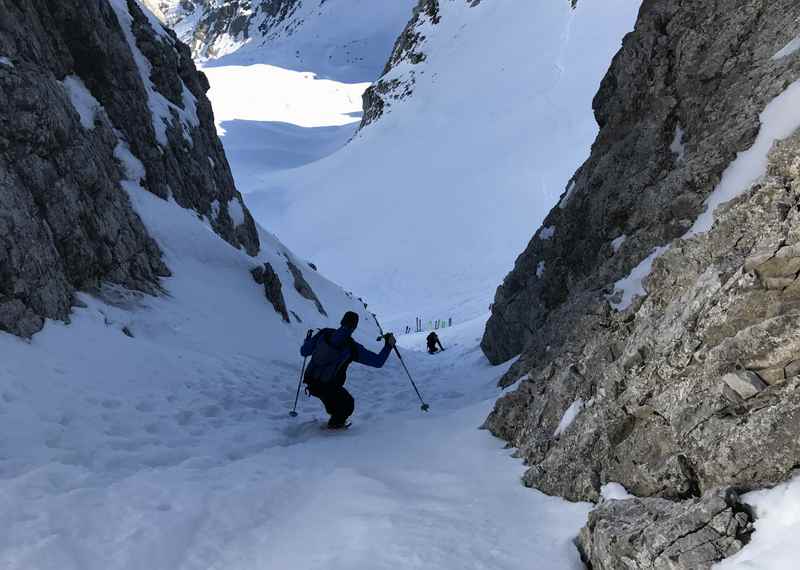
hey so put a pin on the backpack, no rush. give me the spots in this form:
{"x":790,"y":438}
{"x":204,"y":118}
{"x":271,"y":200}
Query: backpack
{"x":328,"y":361}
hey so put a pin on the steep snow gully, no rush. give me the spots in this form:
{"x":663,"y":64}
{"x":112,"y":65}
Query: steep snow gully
{"x":153,"y":433}
{"x":194,"y":463}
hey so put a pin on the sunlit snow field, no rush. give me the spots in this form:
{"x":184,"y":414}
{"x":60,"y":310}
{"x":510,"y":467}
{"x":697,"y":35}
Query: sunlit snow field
{"x":446,"y":189}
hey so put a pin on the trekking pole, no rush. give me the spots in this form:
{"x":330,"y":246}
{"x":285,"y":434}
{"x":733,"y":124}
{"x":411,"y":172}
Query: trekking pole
{"x":424,"y":407}
{"x":293,"y":413}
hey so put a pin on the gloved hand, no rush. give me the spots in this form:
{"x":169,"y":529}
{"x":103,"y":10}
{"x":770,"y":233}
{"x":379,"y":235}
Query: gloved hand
{"x":310,"y":334}
{"x":390,"y":341}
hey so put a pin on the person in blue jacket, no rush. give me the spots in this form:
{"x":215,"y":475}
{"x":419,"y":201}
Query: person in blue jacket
{"x":331,"y":352}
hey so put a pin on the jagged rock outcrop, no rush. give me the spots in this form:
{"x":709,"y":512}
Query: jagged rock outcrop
{"x":215,"y":23}
{"x":273,"y":289}
{"x":90,"y":91}
{"x":656,"y":534}
{"x":694,"y":387}
{"x":407,"y":48}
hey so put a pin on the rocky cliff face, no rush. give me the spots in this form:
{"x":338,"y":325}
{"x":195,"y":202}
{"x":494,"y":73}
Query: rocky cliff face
{"x":91,"y":95}
{"x":688,"y":393}
{"x":207,"y":26}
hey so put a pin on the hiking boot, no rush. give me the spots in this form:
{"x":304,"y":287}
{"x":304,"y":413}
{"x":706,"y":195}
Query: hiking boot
{"x":337,"y":425}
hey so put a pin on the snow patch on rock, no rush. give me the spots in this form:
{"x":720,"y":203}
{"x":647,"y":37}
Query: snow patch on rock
{"x":617,"y":243}
{"x":787,"y":50}
{"x":569,"y":416}
{"x":215,"y":209}
{"x":779,"y":120}
{"x":632,"y":286}
{"x":540,"y":269}
{"x":5,"y":61}
{"x":133,"y":168}
{"x":83,"y":100}
{"x":615,"y":492}
{"x":547,"y":233}
{"x":677,"y":147}
{"x":161,"y":108}
{"x":236,"y":212}
{"x":565,"y":200}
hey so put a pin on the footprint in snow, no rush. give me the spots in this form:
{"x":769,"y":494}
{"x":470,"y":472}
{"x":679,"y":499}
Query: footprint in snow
{"x":145,"y":406}
{"x":211,"y":411}
{"x":184,"y":417}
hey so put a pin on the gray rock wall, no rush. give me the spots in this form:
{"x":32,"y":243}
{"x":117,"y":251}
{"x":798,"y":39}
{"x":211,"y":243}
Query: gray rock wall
{"x":693,"y":534}
{"x":705,"y":68}
{"x":65,"y":222}
{"x":693,"y":388}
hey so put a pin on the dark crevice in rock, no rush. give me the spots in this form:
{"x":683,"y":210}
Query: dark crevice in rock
{"x":691,"y":476}
{"x":273,"y":289}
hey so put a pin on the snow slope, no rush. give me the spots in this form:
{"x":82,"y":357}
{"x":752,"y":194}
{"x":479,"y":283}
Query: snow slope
{"x":451,"y":183}
{"x":271,"y":118}
{"x":153,"y":432}
{"x":173,"y":450}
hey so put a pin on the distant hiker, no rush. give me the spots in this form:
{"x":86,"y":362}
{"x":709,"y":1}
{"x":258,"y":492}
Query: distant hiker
{"x":433,"y":340}
{"x":331,"y":353}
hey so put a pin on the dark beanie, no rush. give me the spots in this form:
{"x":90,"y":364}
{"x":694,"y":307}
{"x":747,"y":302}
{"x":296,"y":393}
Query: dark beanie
{"x":350,"y":320}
